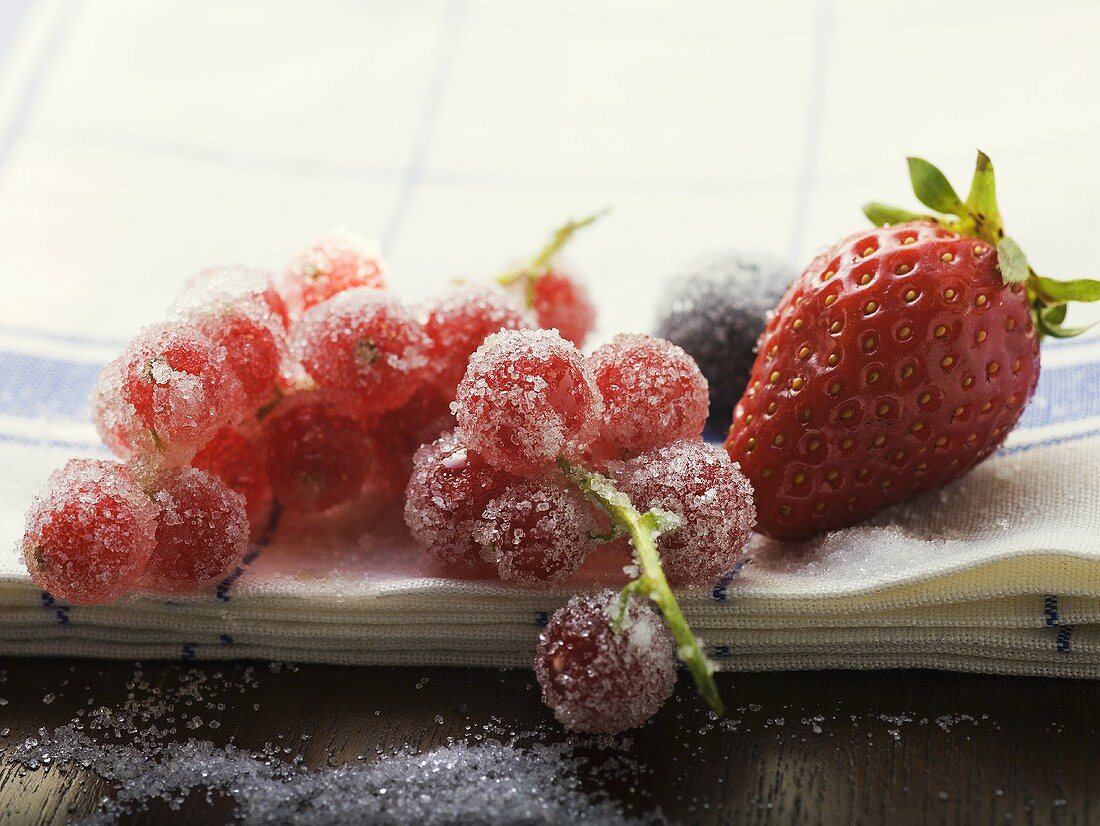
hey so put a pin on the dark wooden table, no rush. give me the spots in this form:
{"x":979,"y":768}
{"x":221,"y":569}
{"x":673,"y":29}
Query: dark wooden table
{"x":828,"y":747}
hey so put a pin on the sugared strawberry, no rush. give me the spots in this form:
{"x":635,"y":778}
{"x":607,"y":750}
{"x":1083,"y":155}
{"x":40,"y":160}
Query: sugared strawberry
{"x":897,"y":361}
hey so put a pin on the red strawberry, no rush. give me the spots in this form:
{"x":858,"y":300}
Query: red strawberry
{"x":896,"y":362}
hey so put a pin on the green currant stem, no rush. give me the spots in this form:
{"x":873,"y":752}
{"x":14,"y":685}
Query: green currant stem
{"x":539,"y":264}
{"x":267,"y":407}
{"x":562,"y":237}
{"x":643,"y":530}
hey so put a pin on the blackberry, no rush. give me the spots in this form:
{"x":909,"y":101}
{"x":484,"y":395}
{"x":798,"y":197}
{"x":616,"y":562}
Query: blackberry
{"x":715,"y":309}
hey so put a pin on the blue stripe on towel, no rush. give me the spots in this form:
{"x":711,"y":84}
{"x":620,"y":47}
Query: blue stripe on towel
{"x":60,"y":611}
{"x":226,"y":585}
{"x":1065,"y":394}
{"x":721,"y":588}
{"x":35,"y":386}
{"x":1051,"y":442}
{"x":1050,"y":610}
{"x":221,"y":593}
{"x":1061,"y":642}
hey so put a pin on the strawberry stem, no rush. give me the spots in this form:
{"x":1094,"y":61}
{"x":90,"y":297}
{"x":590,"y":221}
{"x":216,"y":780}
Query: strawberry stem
{"x":981,"y":202}
{"x":643,"y":530}
{"x":979,"y":217}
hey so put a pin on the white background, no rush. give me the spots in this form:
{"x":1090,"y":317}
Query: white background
{"x":142,"y":141}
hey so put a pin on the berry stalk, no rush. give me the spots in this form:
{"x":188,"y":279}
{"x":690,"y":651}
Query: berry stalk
{"x":540,"y":261}
{"x":643,"y":530}
{"x":556,"y":299}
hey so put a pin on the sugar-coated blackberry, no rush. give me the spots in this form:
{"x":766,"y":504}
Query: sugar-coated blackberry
{"x":716,"y":309}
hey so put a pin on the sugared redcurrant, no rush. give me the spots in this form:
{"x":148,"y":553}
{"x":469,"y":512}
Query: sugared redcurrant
{"x":202,"y":531}
{"x":336,"y":261}
{"x":527,"y":397}
{"x":536,"y":532}
{"x":172,"y":388}
{"x":447,"y":493}
{"x":399,"y":434}
{"x":653,"y":394}
{"x":602,"y":679}
{"x":235,"y":456}
{"x":366,"y":342}
{"x":459,"y":322}
{"x":317,"y":454}
{"x":90,"y":532}
{"x":561,"y":302}
{"x":697,"y":482}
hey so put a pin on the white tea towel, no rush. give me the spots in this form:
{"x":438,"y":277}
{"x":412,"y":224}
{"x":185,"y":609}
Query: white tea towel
{"x":141,"y":142}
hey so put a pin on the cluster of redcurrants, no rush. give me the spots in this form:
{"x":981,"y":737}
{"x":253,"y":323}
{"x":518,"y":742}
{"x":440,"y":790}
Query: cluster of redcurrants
{"x":490,"y":495}
{"x":303,"y":396}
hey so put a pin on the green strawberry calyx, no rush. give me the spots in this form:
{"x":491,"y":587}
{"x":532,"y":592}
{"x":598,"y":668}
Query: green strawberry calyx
{"x":543,"y":261}
{"x":979,"y":217}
